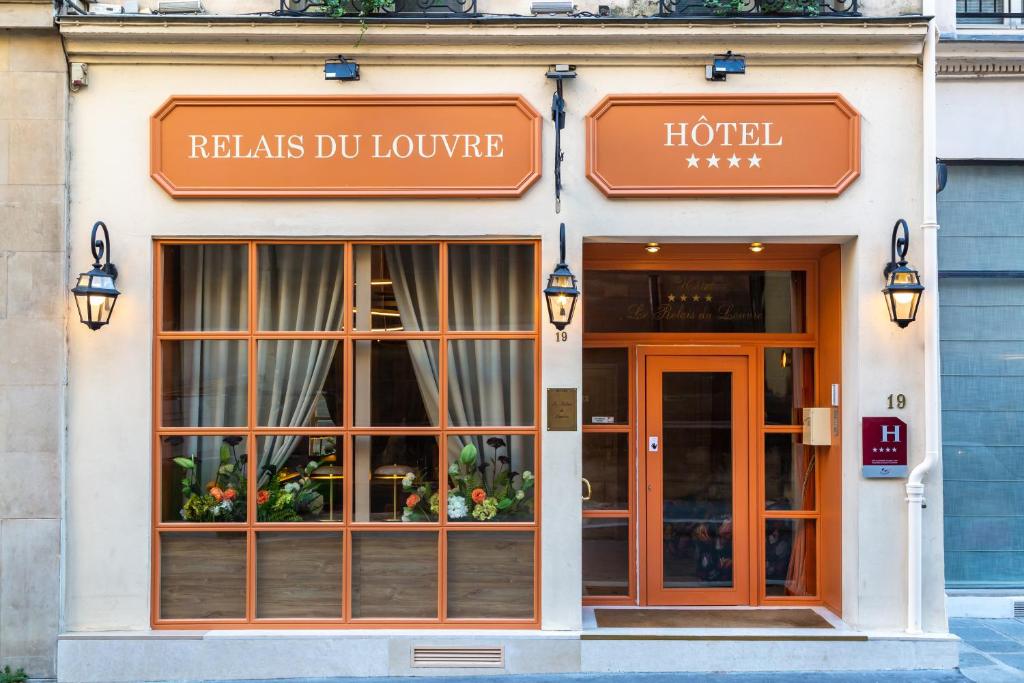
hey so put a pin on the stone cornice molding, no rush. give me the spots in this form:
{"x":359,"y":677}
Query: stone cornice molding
{"x":483,"y":41}
{"x":978,"y":57}
{"x":22,"y":14}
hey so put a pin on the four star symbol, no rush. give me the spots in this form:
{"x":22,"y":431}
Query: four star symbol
{"x":753,"y":161}
{"x":671,"y":297}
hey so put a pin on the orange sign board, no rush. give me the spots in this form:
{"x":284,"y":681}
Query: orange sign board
{"x":346,"y":146}
{"x":706,"y":145}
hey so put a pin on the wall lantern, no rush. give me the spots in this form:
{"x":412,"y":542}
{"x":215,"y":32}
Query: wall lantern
{"x":561,"y":292}
{"x":95,"y":293}
{"x":902,"y":284}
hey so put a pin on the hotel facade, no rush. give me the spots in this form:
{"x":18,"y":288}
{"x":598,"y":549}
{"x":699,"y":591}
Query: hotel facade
{"x":464,"y":339}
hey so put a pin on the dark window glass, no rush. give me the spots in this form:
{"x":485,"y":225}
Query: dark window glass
{"x":204,"y":383}
{"x":605,"y":556}
{"x":694,"y":301}
{"x":605,"y":471}
{"x":790,"y":549}
{"x":389,"y":471}
{"x":605,"y":386}
{"x":395,"y":383}
{"x":203,"y":478}
{"x":299,"y":382}
{"x":789,"y":476}
{"x":788,"y":385}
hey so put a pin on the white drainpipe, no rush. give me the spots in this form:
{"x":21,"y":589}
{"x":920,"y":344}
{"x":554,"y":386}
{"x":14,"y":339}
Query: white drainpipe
{"x":930,"y":304}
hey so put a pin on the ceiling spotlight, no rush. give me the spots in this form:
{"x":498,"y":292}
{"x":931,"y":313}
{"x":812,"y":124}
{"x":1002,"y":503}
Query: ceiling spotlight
{"x":756,"y":247}
{"x":652,"y":247}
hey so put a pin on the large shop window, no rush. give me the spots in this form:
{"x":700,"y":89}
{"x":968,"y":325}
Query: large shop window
{"x":347,"y":433}
{"x":981,"y":270}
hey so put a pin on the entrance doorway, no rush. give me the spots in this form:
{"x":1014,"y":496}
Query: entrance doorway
{"x":697,"y":487}
{"x":695,"y":477}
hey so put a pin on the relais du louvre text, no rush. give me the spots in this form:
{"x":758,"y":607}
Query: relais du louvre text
{"x":348,"y":146}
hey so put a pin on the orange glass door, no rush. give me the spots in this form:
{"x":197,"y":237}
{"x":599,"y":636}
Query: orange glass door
{"x":696,"y":445}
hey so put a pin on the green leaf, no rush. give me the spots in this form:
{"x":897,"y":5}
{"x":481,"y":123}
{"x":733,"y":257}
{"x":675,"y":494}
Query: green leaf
{"x":504,"y":503}
{"x":187,"y":463}
{"x":225,"y":453}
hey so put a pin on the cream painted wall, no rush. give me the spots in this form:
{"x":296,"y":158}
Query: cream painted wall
{"x":961,"y":101}
{"x":109,"y":570}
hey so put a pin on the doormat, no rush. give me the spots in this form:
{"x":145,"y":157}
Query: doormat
{"x":710,"y":618}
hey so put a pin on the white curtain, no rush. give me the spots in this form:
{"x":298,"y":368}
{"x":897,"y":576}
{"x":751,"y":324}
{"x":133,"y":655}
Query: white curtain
{"x":210,"y":296}
{"x":301,"y":288}
{"x":414,"y":278}
{"x":490,"y":382}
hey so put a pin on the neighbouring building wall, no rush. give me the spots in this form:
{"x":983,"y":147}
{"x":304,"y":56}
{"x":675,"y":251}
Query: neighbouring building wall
{"x":33,"y":105}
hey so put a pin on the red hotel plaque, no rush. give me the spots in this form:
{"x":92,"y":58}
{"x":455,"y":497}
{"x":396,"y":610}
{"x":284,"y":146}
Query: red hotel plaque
{"x":884,"y":443}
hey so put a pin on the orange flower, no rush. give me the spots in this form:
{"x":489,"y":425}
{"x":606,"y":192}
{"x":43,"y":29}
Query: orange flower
{"x":479,"y":495}
{"x":217,"y":494}
{"x":262,"y":497}
{"x":230,"y":494}
{"x":412,"y":500}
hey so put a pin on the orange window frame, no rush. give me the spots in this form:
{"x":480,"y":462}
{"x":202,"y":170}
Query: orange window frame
{"x":345,"y":434}
{"x":822,"y":334}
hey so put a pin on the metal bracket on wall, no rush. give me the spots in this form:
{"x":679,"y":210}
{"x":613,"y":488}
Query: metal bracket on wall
{"x":559,"y":73}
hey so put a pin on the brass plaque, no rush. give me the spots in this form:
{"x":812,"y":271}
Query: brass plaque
{"x":561,"y":410}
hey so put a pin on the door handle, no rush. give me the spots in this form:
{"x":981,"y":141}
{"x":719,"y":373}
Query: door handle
{"x":590,"y":491}
{"x":652,"y":444}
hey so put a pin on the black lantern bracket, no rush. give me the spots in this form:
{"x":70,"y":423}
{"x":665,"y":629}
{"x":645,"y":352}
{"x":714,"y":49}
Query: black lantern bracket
{"x":562,"y":292}
{"x":559,"y":73}
{"x":95,"y":292}
{"x":903,"y":286}
{"x":101,"y":250}
{"x":900,"y":245}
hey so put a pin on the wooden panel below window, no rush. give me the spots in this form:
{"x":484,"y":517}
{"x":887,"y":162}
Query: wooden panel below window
{"x":202,"y":575}
{"x":298,"y":575}
{"x":394,"y":575}
{"x":490,"y":575}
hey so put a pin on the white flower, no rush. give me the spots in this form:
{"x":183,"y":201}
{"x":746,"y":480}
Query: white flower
{"x":453,"y":469}
{"x":408,"y":479}
{"x":406,"y":517}
{"x":457,"y":507}
{"x":527,"y":475}
{"x":520,"y":494}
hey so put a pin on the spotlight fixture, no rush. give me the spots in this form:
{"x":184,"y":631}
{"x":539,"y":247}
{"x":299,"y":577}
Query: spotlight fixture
{"x":652,"y":247}
{"x":723,"y":65}
{"x":756,"y":247}
{"x":341,"y":69}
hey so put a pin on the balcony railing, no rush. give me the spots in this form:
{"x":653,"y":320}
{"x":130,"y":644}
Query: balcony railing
{"x":744,"y":8}
{"x":350,"y":8}
{"x":988,"y":11}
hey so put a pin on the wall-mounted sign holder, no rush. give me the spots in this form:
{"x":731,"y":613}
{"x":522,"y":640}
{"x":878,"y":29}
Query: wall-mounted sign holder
{"x":559,"y":73}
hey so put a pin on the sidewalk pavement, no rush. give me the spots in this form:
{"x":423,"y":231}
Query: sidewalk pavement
{"x":992,"y":650}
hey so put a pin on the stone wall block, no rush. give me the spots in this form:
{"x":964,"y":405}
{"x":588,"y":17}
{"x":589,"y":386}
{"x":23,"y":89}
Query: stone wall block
{"x":37,"y":152}
{"x":35,"y":52}
{"x":30,"y":418}
{"x":33,"y":351}
{"x":30,"y":485}
{"x":5,"y":152}
{"x":37,"y":95}
{"x":35,"y":290}
{"x":3,"y":284}
{"x":31,"y":218}
{"x":5,"y":50}
{"x":29,"y":594}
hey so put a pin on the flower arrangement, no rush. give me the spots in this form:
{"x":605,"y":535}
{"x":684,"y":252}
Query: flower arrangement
{"x":290,"y":501}
{"x":487,"y":489}
{"x":423,"y":503}
{"x":221,"y":499}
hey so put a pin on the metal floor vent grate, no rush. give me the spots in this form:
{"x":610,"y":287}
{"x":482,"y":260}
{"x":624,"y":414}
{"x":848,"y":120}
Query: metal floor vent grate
{"x":1018,"y":609}
{"x":458,"y":657}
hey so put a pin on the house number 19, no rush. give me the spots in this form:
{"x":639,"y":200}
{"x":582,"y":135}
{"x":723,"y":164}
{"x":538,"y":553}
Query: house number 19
{"x":561,"y":336}
{"x":897,"y":401}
